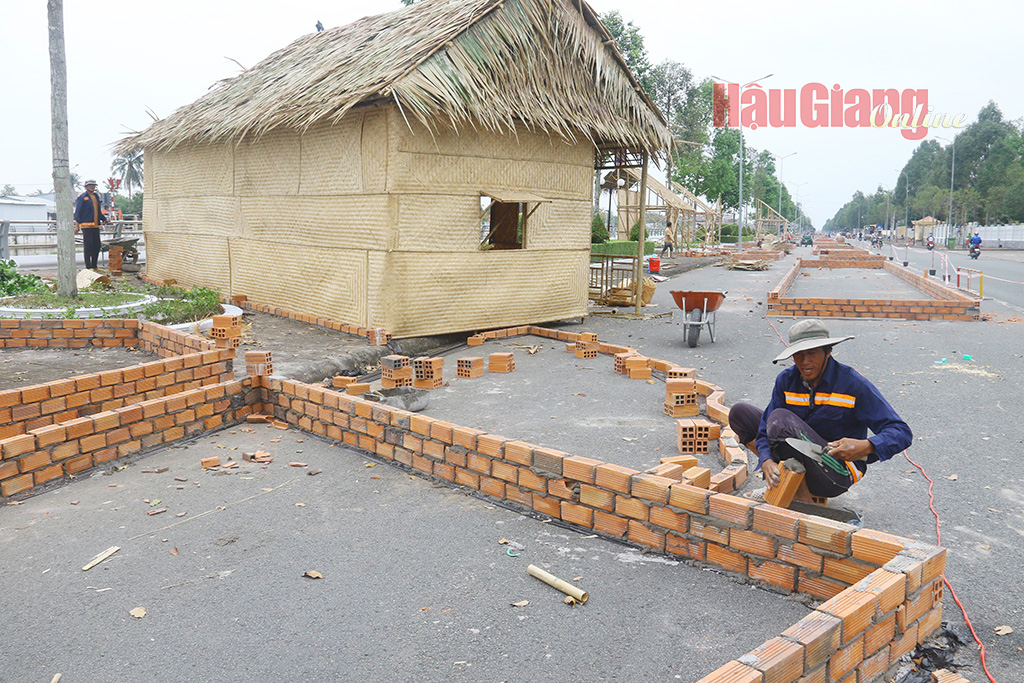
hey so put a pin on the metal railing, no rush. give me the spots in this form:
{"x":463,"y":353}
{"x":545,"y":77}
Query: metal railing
{"x":42,"y":237}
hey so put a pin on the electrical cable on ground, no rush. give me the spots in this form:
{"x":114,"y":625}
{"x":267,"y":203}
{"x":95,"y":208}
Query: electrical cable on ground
{"x":938,"y":536}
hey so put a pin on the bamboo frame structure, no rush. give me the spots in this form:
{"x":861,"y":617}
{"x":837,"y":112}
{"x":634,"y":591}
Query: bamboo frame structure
{"x":769,"y":221}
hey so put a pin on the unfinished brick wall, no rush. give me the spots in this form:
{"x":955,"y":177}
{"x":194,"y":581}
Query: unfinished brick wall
{"x":882,"y":593}
{"x":165,"y":342}
{"x":35,"y":407}
{"x":73,"y":446}
{"x":68,"y":334}
{"x":947,"y":304}
{"x":846,"y":261}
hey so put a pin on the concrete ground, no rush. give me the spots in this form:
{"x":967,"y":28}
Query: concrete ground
{"x":853,"y":283}
{"x":420,"y":581}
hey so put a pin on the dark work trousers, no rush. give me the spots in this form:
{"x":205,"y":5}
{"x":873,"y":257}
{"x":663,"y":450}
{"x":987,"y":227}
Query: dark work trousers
{"x":91,"y":243}
{"x":745,"y":419}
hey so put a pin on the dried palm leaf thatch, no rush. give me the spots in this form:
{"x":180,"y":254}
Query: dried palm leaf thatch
{"x":467,"y":63}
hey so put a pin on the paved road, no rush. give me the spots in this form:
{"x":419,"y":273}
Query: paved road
{"x":1003,"y":270}
{"x":386,"y":556}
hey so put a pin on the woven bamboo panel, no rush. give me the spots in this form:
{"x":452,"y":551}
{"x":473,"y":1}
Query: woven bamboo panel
{"x":189,"y":259}
{"x":454,"y":292}
{"x":426,"y":173}
{"x":331,"y":157}
{"x":192,"y":170}
{"x":324,"y":281}
{"x":213,"y":216}
{"x":375,"y":151}
{"x":355,"y":222}
{"x":524,"y":145}
{"x":268,"y":165}
{"x":433,"y":223}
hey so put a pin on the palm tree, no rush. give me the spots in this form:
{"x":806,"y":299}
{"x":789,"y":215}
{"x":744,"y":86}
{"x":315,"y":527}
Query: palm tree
{"x":129,"y":168}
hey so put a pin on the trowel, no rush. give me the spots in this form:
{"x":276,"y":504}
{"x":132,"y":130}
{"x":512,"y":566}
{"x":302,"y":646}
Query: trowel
{"x":818,"y":454}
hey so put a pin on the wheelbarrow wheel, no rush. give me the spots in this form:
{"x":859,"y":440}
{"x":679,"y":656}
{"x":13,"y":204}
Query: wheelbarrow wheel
{"x":693,"y":329}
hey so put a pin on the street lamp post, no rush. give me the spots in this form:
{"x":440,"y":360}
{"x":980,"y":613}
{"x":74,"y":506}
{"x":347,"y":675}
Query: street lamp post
{"x":952,"y":170}
{"x":739,"y":242}
{"x":796,"y":216}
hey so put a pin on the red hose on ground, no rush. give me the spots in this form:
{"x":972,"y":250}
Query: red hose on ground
{"x":938,"y":536}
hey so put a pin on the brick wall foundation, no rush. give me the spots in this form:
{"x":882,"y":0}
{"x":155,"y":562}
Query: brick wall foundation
{"x":882,"y":594}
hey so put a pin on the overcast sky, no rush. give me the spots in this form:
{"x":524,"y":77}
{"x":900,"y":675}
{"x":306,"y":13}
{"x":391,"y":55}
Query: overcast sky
{"x":125,"y":58}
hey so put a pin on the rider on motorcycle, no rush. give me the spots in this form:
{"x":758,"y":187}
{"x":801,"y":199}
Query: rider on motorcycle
{"x":974,"y":245}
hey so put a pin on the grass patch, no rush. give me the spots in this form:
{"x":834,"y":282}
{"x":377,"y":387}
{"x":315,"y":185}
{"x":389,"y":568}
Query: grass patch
{"x":183,"y":305}
{"x":86,"y":299}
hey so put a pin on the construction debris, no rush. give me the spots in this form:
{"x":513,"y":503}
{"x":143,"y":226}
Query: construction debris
{"x":748,"y":264}
{"x":102,"y":556}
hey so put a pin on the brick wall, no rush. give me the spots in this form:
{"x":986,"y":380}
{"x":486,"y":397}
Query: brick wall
{"x":35,"y":407}
{"x":883,"y":594}
{"x":165,"y":342}
{"x":76,"y":445}
{"x":68,"y":334}
{"x":947,"y":304}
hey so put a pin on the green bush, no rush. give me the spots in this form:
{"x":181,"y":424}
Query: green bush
{"x":621,"y":248}
{"x":598,"y":231}
{"x":12,"y":282}
{"x":187,"y":306}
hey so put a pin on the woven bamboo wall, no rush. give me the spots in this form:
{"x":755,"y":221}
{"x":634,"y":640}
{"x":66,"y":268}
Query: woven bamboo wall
{"x":268,"y":166}
{"x":468,"y":291}
{"x":367,"y":222}
{"x":325,"y":281}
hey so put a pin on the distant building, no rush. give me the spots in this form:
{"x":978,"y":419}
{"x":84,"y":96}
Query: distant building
{"x":24,"y":208}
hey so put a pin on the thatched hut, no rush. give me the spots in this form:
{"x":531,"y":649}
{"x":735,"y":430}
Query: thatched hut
{"x":424,"y":171}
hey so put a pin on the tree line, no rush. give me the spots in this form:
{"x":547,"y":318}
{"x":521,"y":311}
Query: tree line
{"x":706,"y":159}
{"x":987,"y":174}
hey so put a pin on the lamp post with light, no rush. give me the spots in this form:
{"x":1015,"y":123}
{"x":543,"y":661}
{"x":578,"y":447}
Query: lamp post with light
{"x":906,"y":217}
{"x":782,"y":165}
{"x":739,"y":242}
{"x":952,"y":170}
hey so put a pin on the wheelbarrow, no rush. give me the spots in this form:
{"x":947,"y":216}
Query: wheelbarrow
{"x":699,"y":311}
{"x":130,"y":253}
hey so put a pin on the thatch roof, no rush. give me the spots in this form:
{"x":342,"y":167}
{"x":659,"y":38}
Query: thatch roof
{"x":481,"y":63}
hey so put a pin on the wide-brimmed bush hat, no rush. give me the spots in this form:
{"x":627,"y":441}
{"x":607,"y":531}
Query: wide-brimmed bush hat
{"x":806,"y":335}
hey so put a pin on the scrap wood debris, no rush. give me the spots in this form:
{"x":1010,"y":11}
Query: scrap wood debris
{"x":748,"y":264}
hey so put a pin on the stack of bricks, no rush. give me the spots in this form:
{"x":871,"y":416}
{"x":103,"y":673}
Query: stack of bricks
{"x":341,"y":381}
{"x":677,"y":372}
{"x":586,"y":349}
{"x":227,"y":331}
{"x":637,"y":368}
{"x":427,"y":372}
{"x":475,"y":340}
{"x":395,"y":371}
{"x":681,"y":398}
{"x":620,"y":361}
{"x":501,"y":362}
{"x":258,"y":363}
{"x":115,"y":260}
{"x":470,"y":368}
{"x":693,"y":436}
{"x":378,"y":337}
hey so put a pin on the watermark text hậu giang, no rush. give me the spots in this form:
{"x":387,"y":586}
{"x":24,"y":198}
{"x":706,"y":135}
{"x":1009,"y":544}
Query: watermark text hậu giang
{"x":822,"y":107}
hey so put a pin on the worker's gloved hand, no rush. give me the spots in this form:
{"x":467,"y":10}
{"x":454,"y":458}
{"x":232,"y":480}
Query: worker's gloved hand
{"x":850,"y":449}
{"x":770,"y":469}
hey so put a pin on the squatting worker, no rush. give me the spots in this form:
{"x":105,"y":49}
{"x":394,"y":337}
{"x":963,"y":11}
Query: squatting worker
{"x":826,"y":402}
{"x":88,"y":218}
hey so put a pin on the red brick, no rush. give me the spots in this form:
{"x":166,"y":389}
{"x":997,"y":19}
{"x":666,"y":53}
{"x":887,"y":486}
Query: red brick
{"x":778,"y":521}
{"x":752,"y":542}
{"x":685,"y":547}
{"x":781,"y":660}
{"x":33,"y":461}
{"x":846,"y":660}
{"x":18,"y":445}
{"x":818,"y":586}
{"x":727,"y":559}
{"x":650,"y":487}
{"x":733,"y":509}
{"x":709,"y":531}
{"x":855,"y":609}
{"x":669,"y":519}
{"x":640,"y":533}
{"x":847,"y":571}
{"x":519,"y":452}
{"x":819,"y":634}
{"x":490,"y":444}
{"x":610,"y":524}
{"x":576,"y":514}
{"x":15,"y":485}
{"x":733,"y":672}
{"x":597,"y":497}
{"x":827,"y":534}
{"x":878,"y":636}
{"x":631,"y":507}
{"x":875,"y":546}
{"x":889,"y":588}
{"x":801,"y":555}
{"x":547,"y":506}
{"x":580,"y":468}
{"x":530,"y":480}
{"x":614,"y":477}
{"x":492,"y":487}
{"x":690,"y":498}
{"x":78,"y":464}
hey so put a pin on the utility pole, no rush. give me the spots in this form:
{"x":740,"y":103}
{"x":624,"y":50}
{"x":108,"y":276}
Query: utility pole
{"x":63,"y":194}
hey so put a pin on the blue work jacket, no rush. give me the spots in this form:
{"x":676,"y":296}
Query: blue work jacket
{"x":843,"y":404}
{"x":87,"y":209}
